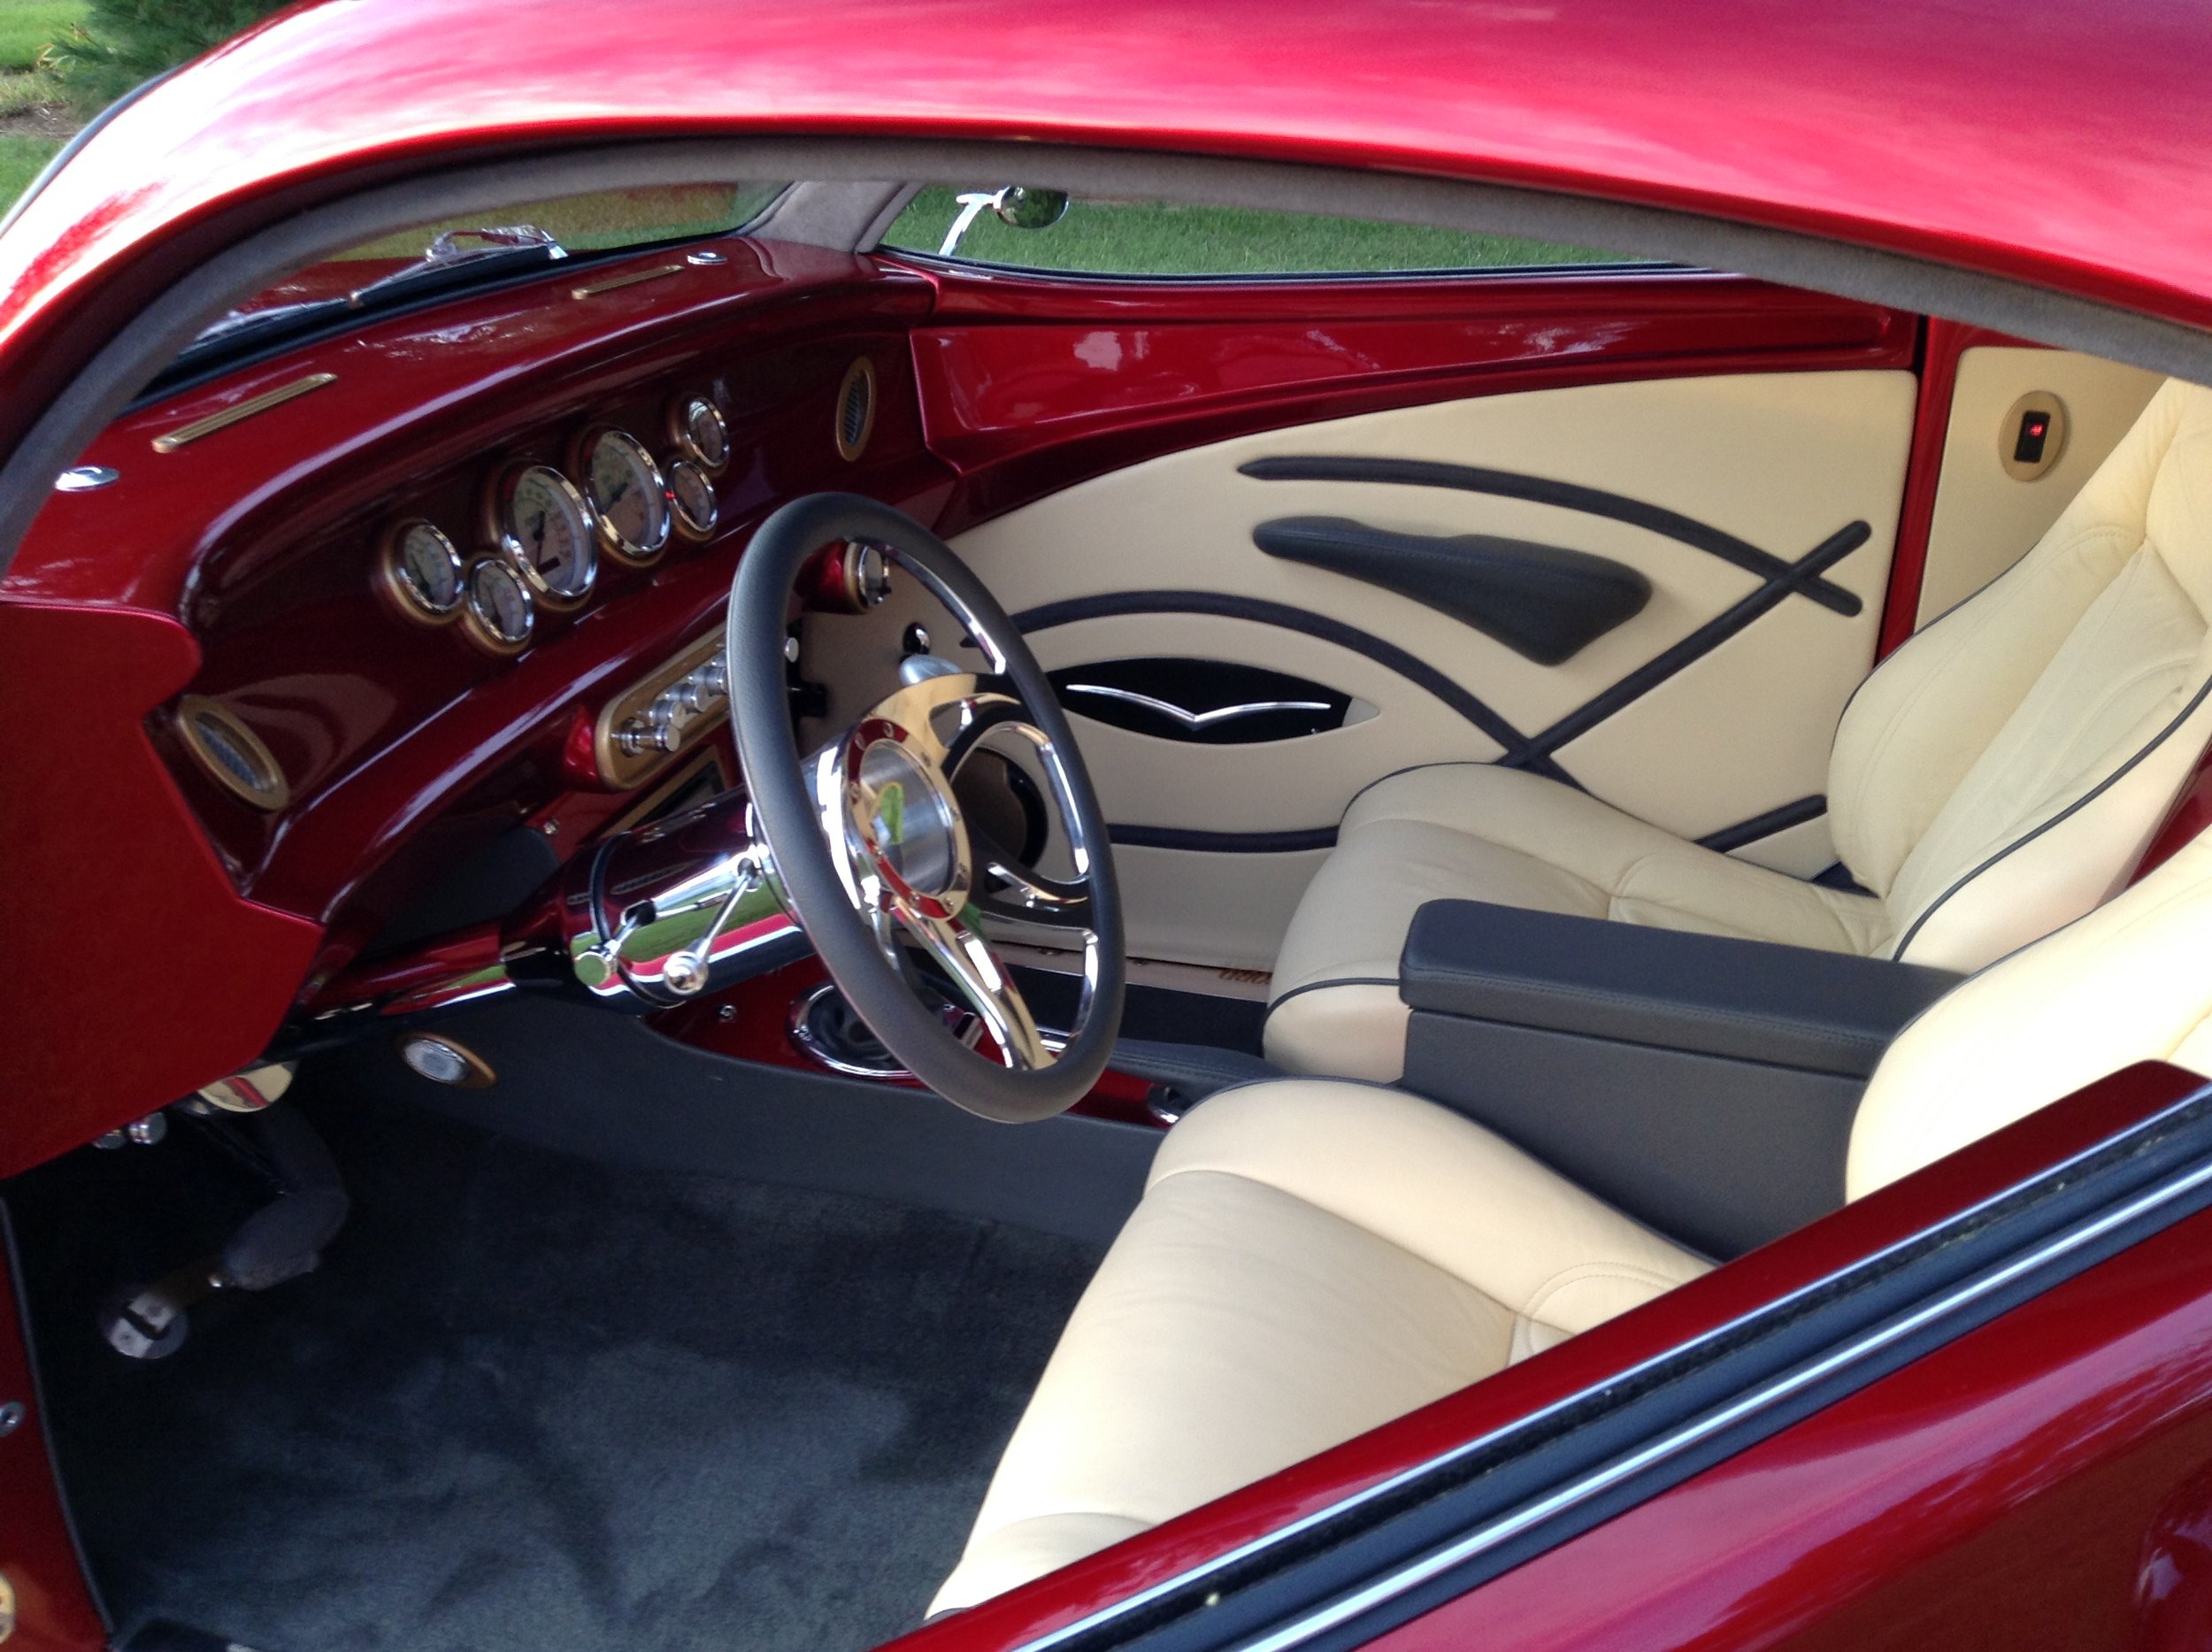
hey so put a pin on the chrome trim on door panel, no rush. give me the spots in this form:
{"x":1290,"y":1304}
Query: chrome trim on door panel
{"x":1194,"y":720}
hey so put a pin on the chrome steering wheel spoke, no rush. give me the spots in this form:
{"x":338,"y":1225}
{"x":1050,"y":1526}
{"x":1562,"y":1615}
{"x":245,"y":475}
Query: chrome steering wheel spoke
{"x":984,"y":981}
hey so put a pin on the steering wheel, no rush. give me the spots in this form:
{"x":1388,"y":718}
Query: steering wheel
{"x":868,"y":848}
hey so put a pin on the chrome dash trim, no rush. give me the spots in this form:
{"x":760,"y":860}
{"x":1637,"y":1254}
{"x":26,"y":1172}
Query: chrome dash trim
{"x":170,"y":441}
{"x":592,"y":289}
{"x":1403,"y":1578}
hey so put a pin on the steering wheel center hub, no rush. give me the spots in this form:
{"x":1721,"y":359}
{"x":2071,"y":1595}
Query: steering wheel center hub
{"x":905,"y":821}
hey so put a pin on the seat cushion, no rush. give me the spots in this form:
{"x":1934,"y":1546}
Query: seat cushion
{"x":1310,"y":1259}
{"x":1475,"y":833}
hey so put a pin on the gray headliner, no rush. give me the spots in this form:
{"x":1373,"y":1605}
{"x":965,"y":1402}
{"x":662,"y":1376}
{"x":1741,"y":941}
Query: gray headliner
{"x":848,"y":206}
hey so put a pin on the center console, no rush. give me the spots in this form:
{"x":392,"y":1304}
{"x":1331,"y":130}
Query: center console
{"x":1703,"y":1084}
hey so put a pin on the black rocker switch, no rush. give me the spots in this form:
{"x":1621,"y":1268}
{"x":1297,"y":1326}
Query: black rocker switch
{"x":2035,"y":430}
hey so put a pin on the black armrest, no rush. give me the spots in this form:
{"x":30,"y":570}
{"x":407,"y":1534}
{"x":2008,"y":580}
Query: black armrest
{"x":1709,"y":995}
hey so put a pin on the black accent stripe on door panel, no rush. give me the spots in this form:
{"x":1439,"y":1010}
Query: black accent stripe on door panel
{"x":1764,"y":825}
{"x":1113,"y":604}
{"x":1297,"y":843}
{"x":1542,"y":490}
{"x":1545,"y":603}
{"x":1696,"y":647}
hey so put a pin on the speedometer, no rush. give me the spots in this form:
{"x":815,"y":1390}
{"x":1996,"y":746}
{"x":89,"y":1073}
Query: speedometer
{"x":629,"y":494}
{"x":546,"y":530}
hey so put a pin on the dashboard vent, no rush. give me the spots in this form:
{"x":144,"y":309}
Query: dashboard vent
{"x":231,"y":752}
{"x":856,"y":409}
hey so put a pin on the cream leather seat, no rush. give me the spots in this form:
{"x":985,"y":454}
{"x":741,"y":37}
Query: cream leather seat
{"x":1312,"y":1258}
{"x":1993,"y":779}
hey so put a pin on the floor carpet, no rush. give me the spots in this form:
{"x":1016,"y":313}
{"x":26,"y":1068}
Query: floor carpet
{"x":532,"y":1402}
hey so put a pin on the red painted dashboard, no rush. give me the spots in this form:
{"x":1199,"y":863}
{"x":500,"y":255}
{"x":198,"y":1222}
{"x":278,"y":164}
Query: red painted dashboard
{"x":242,"y":567}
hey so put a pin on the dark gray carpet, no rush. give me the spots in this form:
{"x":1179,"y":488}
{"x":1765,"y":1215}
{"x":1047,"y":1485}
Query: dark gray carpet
{"x":531,"y":1403}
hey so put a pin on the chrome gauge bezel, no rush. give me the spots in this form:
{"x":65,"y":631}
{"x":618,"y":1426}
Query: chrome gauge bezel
{"x":406,"y":598}
{"x":688,"y":527}
{"x":611,"y":539}
{"x":679,"y":432}
{"x":499,"y":507}
{"x":479,"y":620}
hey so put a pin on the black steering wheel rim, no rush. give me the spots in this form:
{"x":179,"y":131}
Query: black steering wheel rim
{"x":788,"y":817}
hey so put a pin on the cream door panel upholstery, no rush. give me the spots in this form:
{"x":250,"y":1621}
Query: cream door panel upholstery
{"x":2129,"y":982}
{"x":1780,"y":459}
{"x":1227,"y":910}
{"x":1783,"y":460}
{"x":1271,"y":786}
{"x":1985,"y":521}
{"x":1475,"y":833}
{"x":1310,"y":1259}
{"x":1686,"y":758}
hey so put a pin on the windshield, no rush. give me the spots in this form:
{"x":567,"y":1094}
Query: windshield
{"x":605,"y":221}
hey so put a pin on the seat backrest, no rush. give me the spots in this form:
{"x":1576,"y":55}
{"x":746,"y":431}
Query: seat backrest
{"x":2000,"y":774}
{"x":2130,"y":982}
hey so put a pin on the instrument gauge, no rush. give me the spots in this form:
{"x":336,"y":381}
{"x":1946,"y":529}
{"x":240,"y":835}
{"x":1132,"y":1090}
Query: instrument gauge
{"x":499,"y":614}
{"x":548,"y":533}
{"x":419,"y":570}
{"x":697,"y":426}
{"x":628,"y":495}
{"x":693,"y":494}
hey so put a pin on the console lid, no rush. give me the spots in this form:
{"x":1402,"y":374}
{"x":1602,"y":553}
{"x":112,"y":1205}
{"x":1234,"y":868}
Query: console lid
{"x":1711,"y":994}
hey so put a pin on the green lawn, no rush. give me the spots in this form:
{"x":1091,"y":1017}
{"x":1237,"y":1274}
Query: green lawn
{"x":29,"y":26}
{"x":1157,"y":238}
{"x":20,"y":159}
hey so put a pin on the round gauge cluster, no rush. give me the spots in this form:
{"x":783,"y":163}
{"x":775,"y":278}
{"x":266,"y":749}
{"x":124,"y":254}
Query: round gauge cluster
{"x":545,"y":530}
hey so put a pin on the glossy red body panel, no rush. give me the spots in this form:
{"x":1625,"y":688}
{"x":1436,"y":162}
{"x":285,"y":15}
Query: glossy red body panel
{"x":1942,"y":343}
{"x":2007,"y":1490}
{"x":1030,"y":384}
{"x":260,"y":539}
{"x":54,"y":1610}
{"x":1830,"y":120}
{"x":1800,"y":1258}
{"x":120,"y":857}
{"x":2189,"y":814}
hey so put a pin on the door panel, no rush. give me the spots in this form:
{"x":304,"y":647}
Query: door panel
{"x":1986,"y":519}
{"x":1760,"y":509}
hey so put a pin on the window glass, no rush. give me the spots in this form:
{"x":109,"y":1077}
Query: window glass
{"x":602,"y":221}
{"x":1100,"y":236}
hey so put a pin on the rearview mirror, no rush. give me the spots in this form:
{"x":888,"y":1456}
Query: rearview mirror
{"x":1025,"y":208}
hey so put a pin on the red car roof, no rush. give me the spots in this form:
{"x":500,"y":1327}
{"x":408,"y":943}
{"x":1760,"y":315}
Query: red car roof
{"x":2066,"y":144}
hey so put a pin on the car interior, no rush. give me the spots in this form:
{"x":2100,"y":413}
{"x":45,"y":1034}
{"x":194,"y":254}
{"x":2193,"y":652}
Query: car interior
{"x":967,"y":867}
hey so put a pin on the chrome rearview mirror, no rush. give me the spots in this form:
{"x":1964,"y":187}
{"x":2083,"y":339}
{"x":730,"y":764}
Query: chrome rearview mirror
{"x":1019,"y":205}
{"x":1025,"y":208}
